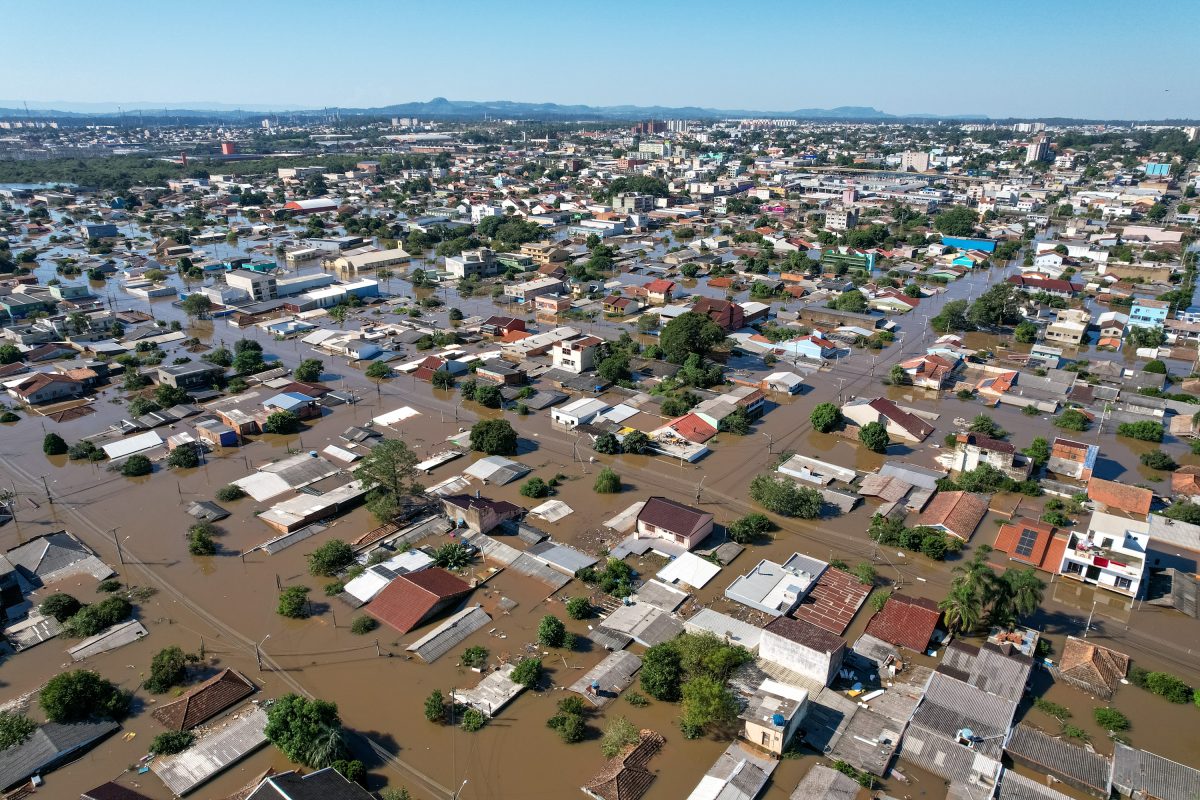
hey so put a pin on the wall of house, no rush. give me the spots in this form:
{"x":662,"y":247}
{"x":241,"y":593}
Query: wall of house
{"x":798,"y":658}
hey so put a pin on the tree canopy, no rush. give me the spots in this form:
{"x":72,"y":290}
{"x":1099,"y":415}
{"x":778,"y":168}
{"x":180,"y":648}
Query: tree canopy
{"x":689,"y":333}
{"x":308,"y":732}
{"x":495,"y":437}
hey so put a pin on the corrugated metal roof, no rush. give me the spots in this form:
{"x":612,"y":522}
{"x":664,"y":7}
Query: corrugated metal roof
{"x":449,"y":634}
{"x":1136,"y":770}
{"x":1061,"y":759}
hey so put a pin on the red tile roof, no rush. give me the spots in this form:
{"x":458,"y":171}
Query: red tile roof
{"x":958,"y":512}
{"x":1186,"y":481}
{"x":833,"y":601}
{"x":692,"y":428}
{"x":1047,"y":550}
{"x":660,"y":286}
{"x":409,"y":600}
{"x":906,"y":622}
{"x":205,"y":701}
{"x":1120,"y":496}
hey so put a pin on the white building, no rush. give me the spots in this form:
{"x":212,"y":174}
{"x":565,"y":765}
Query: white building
{"x":1111,"y":554}
{"x":802,"y":647}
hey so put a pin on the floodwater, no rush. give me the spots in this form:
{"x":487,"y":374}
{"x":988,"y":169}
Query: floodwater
{"x":225,"y":603}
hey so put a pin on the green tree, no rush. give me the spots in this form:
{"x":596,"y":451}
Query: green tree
{"x":80,"y":695}
{"x":707,"y":703}
{"x":607,"y":482}
{"x":309,"y":370}
{"x":853,"y":300}
{"x":435,"y":707}
{"x":614,"y":369}
{"x":196,"y":305}
{"x":452,"y":555}
{"x":442,"y":380}
{"x":330,"y":558}
{"x":825,"y":417}
{"x":999,"y":305}
{"x":230,"y":492}
{"x":607,"y":443}
{"x":363,"y":625}
{"x":200,"y":539}
{"x":986,"y":426}
{"x":1155,"y":366}
{"x":167,"y":669}
{"x":9,"y":353}
{"x":955,"y":221}
{"x":579,"y":608}
{"x":661,"y":672}
{"x":293,"y":602}
{"x":1145,"y":430}
{"x":551,"y":631}
{"x":136,"y":466}
{"x":874,"y":437}
{"x":281,"y":422}
{"x":61,"y":606}
{"x":388,"y":473}
{"x":307,"y":732}
{"x":1025,"y":332}
{"x":488,"y":395}
{"x":690,"y":333}
{"x":952,"y":317}
{"x":378,"y":370}
{"x":782,"y":496}
{"x":495,"y":437}
{"x":962,"y":609}
{"x":14,"y":729}
{"x":635,"y":442}
{"x":528,"y":672}
{"x":185,"y":456}
{"x":1038,"y":452}
{"x":53,"y":445}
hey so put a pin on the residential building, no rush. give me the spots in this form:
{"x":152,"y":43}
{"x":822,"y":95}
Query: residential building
{"x":527,"y":291}
{"x":930,"y":371}
{"x":323,"y":784}
{"x":1092,"y":667}
{"x":544,"y":252}
{"x":900,"y":423}
{"x":912,"y":161}
{"x":1036,"y":544}
{"x":192,"y":375}
{"x":577,"y":354}
{"x":632,"y":203}
{"x":972,"y":449}
{"x":204,"y":701}
{"x":1037,"y":150}
{"x":662,"y":518}
{"x":626,"y":776}
{"x":1070,"y":326}
{"x":478,"y":514}
{"x":907,"y":622}
{"x":774,"y":588}
{"x":1073,"y":459}
{"x":1117,"y":496}
{"x":1111,"y":554}
{"x":773,"y":715}
{"x":726,"y":313}
{"x":802,"y":647}
{"x":258,"y":286}
{"x":1146,"y":313}
{"x":480,"y":263}
{"x":956,"y":513}
{"x":841,"y":219}
{"x":660,"y":291}
{"x":45,"y":387}
{"x":411,"y":600}
{"x":579,"y":412}
{"x":370,"y":260}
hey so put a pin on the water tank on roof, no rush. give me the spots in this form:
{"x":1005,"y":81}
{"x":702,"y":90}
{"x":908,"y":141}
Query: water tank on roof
{"x":778,"y":719}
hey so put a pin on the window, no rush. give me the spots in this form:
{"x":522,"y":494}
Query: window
{"x":1073,"y":568}
{"x":1123,"y":583}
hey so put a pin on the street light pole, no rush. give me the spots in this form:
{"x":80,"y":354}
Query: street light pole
{"x":117,"y":541}
{"x":460,"y":788}
{"x":258,"y":651}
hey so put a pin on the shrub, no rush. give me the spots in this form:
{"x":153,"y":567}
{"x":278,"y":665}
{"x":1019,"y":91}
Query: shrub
{"x":607,"y":482}
{"x":825,"y":417}
{"x":1157,"y":459}
{"x":9,"y":416}
{"x":749,"y":528}
{"x":452,"y":555}
{"x":281,"y":422}
{"x":334,"y":588}
{"x":108,"y":585}
{"x":618,"y":734}
{"x":230,"y":492}
{"x":1075,"y":732}
{"x":85,"y":451}
{"x":172,"y":742}
{"x":363,"y":625}
{"x":1053,"y":709}
{"x":475,"y":657}
{"x":200,"y":540}
{"x":1168,"y":686}
{"x":53,"y":445}
{"x":879,"y":600}
{"x":330,"y":558}
{"x":1072,"y":420}
{"x":136,"y":466}
{"x":535,"y":487}
{"x":636,"y":699}
{"x":14,"y":729}
{"x":864,"y":572}
{"x":435,"y":707}
{"x":1110,"y":719}
{"x":293,"y":602}
{"x":528,"y":672}
{"x":352,"y":770}
{"x":1145,"y":430}
{"x":579,"y":608}
{"x":472,"y":720}
{"x":864,"y":779}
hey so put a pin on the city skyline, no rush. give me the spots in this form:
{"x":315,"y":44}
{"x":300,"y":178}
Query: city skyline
{"x":779,"y":58}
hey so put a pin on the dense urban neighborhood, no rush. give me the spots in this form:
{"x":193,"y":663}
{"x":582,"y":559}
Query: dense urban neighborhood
{"x":391,"y":457}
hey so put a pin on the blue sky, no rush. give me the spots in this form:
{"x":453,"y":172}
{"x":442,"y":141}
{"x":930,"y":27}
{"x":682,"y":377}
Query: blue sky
{"x":1100,"y":59}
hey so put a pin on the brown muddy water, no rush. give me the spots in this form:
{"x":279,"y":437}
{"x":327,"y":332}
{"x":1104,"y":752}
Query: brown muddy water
{"x":227,"y":603}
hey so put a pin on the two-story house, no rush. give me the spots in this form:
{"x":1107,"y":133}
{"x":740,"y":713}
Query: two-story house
{"x":577,"y":354}
{"x":1111,"y":554}
{"x":1145,"y":313}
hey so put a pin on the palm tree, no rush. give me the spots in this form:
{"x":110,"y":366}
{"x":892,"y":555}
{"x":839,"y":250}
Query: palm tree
{"x":976,"y":573}
{"x":962,"y":609}
{"x":327,"y":746}
{"x":1023,"y":589}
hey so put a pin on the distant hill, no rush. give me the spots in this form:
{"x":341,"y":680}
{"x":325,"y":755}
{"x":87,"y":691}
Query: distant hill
{"x":441,"y":108}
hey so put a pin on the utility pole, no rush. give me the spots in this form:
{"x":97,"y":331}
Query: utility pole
{"x":45,"y":485}
{"x":1089,"y":620}
{"x":117,"y":541}
{"x":258,"y":651}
